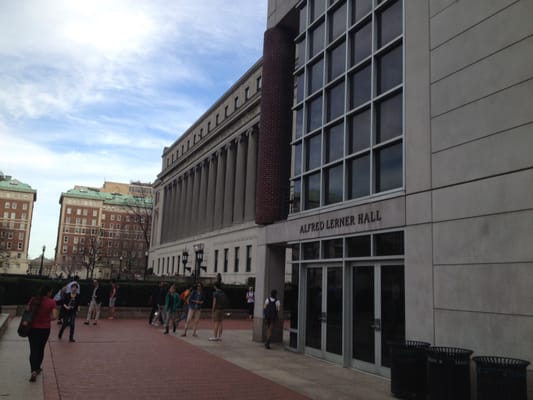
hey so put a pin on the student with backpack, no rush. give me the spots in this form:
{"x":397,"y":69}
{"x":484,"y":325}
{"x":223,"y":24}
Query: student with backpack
{"x":220,"y":303}
{"x":270,"y":314}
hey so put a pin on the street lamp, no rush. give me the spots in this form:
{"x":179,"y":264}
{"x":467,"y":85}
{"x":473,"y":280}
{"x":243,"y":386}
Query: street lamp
{"x":42,"y":260}
{"x":184,"y":258}
{"x":145,"y":263}
{"x":199,"y":253}
{"x":120,"y":266}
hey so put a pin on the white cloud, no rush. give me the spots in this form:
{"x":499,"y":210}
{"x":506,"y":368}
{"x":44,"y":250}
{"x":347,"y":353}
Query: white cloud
{"x":94,"y":90}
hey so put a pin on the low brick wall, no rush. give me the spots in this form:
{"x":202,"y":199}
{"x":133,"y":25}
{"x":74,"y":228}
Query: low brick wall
{"x":125,"y":312}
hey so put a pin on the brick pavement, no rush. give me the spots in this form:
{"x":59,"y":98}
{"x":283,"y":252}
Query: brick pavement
{"x":128,"y":359}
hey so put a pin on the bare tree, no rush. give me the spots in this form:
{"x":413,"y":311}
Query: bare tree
{"x":139,"y":210}
{"x":92,"y":250}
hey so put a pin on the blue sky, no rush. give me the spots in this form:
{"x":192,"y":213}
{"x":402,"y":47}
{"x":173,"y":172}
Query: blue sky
{"x":93,"y":90}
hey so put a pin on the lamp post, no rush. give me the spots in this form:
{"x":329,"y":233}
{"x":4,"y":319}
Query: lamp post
{"x":42,"y":261}
{"x":145,"y":263}
{"x":199,"y":255}
{"x":184,"y":259}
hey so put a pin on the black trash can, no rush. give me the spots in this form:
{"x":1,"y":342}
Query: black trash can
{"x":501,"y":378}
{"x":408,"y":369}
{"x":448,"y":373}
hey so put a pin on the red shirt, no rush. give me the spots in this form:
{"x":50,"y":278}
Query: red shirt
{"x":41,"y":319}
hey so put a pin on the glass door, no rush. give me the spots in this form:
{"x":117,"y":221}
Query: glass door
{"x":378,"y":314}
{"x":323,"y":328}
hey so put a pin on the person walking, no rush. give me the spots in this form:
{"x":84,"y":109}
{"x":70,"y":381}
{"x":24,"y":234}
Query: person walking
{"x":196,"y":300}
{"x":71,"y":303}
{"x":95,"y":304}
{"x":112,"y":299}
{"x":185,"y":297}
{"x":44,"y":312}
{"x":250,"y":301}
{"x":162,"y":295}
{"x":270,"y":314}
{"x":172,"y":302}
{"x":220,"y":302}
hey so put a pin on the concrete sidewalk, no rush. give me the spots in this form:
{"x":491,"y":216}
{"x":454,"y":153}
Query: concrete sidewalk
{"x":129,"y":359}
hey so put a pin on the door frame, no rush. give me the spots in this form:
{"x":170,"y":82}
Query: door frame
{"x":321,"y":353}
{"x":375,"y":367}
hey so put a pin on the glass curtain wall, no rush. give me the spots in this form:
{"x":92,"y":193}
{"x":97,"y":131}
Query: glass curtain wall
{"x":347,"y":137}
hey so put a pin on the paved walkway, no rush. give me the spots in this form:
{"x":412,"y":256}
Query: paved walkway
{"x":128,"y":359}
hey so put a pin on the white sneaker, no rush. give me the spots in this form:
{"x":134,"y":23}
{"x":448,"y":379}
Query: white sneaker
{"x":212,"y":339}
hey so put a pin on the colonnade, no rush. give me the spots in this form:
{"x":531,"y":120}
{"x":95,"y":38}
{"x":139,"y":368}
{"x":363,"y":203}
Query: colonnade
{"x":215,"y":193}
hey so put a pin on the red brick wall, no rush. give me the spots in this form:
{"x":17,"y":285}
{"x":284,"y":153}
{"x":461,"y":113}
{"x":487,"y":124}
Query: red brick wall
{"x":273,"y":163}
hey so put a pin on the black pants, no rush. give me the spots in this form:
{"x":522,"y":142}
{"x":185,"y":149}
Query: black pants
{"x":70,"y":321}
{"x":37,"y":338}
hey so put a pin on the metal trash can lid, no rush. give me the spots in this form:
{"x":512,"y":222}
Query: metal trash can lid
{"x":495,"y":361}
{"x":451,"y":352}
{"x":409,"y":344}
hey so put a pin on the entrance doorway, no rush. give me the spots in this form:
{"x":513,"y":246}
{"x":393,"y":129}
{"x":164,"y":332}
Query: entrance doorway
{"x":378,"y":314}
{"x":324,"y":309}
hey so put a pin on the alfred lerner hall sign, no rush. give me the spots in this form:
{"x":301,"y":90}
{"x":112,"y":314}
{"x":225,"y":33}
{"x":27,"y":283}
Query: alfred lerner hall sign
{"x":341,"y":222}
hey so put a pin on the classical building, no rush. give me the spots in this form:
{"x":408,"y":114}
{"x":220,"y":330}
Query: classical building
{"x":394,"y":177}
{"x":204,"y":204}
{"x":16,"y":212}
{"x":105,"y":232}
{"x":395,"y":163}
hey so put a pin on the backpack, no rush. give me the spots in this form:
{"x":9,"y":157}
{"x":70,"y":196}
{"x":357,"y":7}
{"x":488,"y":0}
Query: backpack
{"x":184,"y":296}
{"x":271,"y":311}
{"x":222,"y":301}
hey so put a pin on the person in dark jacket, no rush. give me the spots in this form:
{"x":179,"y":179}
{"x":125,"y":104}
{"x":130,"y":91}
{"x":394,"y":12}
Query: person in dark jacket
{"x":71,"y":302}
{"x":161,"y":302}
{"x":172,"y":303}
{"x":154,"y":302}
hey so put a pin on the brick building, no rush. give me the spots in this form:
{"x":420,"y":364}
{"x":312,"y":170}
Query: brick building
{"x":16,"y":212}
{"x":104,"y":232}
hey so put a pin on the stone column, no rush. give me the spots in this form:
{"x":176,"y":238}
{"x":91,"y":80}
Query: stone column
{"x":176,"y":207}
{"x":164,"y":233}
{"x":195,"y":198}
{"x":229,"y":185}
{"x":181,"y":205}
{"x":219,"y":194}
{"x":188,"y":203}
{"x":251,"y":168}
{"x":240,"y":180}
{"x":201,"y":216}
{"x":210,"y":203}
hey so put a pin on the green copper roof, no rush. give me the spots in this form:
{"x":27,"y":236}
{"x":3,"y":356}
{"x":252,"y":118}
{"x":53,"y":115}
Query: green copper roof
{"x":109,"y":198}
{"x":7,"y":183}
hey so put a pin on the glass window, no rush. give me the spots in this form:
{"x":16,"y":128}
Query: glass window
{"x":360,"y":9}
{"x":312,"y":191}
{"x":332,"y":248}
{"x":317,"y":9}
{"x":333,"y":182}
{"x":297,"y":160}
{"x":359,"y":177}
{"x":316,"y":76}
{"x":337,"y":23}
{"x":295,"y":250}
{"x":361,"y":87}
{"x":299,"y":88}
{"x":236,"y":260}
{"x":335,"y":99}
{"x":299,"y":55}
{"x":314,"y":114}
{"x":390,"y":23}
{"x":389,"y":118}
{"x":317,"y":40}
{"x":334,"y":142}
{"x":312,"y":152}
{"x":303,"y":18}
{"x":388,"y":244}
{"x":361,"y":44}
{"x":390,"y":70}
{"x":358,"y":246}
{"x":296,"y":195}
{"x":360,"y":131}
{"x":337,"y":61}
{"x":389,"y":167}
{"x":311,"y":250}
{"x":298,"y":122}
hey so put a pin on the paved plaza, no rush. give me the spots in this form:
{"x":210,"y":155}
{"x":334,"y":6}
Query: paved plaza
{"x":129,"y":359}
